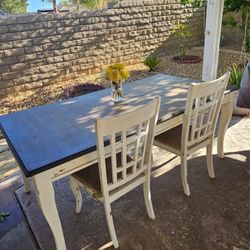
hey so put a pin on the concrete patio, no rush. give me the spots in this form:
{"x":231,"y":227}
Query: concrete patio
{"x":215,"y":216}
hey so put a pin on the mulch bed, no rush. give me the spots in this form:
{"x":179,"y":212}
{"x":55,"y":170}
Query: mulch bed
{"x":187,"y":59}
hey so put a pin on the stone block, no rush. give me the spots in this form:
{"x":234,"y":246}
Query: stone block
{"x":6,"y":84}
{"x":18,"y":27}
{"x":8,"y":60}
{"x":39,"y":62}
{"x":55,"y":59}
{"x":43,"y":55}
{"x":10,"y":75}
{"x":36,"y":26}
{"x":6,"y":37}
{"x":33,"y":85}
{"x":22,"y":80}
{"x":47,"y":68}
{"x":26,"y":18}
{"x":40,"y":77}
{"x":7,"y":19}
{"x":14,"y":52}
{"x":51,"y":46}
{"x":4,"y":69}
{"x":31,"y":71}
{"x":19,"y":66}
{"x":6,"y":45}
{"x":40,"y":40}
{"x":27,"y":58}
{"x":22,"y":43}
{"x":3,"y":29}
{"x":33,"y":49}
{"x":61,"y":52}
{"x":68,"y":44}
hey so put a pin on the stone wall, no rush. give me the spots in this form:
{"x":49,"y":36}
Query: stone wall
{"x":38,"y":49}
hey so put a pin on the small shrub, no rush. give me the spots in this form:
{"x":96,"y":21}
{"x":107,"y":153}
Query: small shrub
{"x":81,"y":89}
{"x":230,"y":21}
{"x":236,"y":75}
{"x":248,"y":43}
{"x":184,"y":34}
{"x":152,"y":62}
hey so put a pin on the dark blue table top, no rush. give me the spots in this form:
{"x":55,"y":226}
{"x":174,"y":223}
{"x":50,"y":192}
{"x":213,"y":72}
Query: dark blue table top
{"x":46,"y":136}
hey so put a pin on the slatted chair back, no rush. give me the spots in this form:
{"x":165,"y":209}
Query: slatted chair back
{"x":202,"y":110}
{"x":130,"y":138}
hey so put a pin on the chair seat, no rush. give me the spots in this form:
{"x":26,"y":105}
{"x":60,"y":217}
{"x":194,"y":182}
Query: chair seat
{"x":171,"y":141}
{"x":89,"y":177}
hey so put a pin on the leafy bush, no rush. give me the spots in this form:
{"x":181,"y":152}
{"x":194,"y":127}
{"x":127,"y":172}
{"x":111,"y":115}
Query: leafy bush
{"x":230,"y":21}
{"x":152,"y":62}
{"x":230,"y":5}
{"x":248,"y":43}
{"x":236,"y":75}
{"x":81,"y":89}
{"x":184,"y":33}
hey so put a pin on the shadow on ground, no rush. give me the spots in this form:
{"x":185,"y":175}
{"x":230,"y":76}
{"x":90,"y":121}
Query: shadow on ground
{"x":215,"y":216}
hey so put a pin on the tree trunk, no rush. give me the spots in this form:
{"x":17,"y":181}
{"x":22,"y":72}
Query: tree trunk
{"x":54,"y":5}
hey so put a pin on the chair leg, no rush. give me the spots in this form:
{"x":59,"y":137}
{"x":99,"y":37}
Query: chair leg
{"x":77,"y":193}
{"x":147,"y":197}
{"x":184,"y":175}
{"x":110,"y":223}
{"x":209,"y":157}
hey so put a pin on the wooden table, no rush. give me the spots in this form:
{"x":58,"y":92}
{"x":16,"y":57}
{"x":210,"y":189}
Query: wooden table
{"x":55,"y":140}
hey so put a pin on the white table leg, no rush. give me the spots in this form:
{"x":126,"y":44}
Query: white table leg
{"x":46,"y":199}
{"x":225,"y":118}
{"x":26,"y":182}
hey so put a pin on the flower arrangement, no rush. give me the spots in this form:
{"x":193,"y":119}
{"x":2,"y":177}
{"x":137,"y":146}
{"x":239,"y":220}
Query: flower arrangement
{"x":116,"y":74}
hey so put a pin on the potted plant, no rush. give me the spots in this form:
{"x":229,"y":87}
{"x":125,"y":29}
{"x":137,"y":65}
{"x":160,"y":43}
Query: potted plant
{"x":116,"y":75}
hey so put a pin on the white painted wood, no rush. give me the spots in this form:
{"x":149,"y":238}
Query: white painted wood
{"x":209,"y":158}
{"x":201,"y":113}
{"x":184,"y":174}
{"x":82,"y":162}
{"x":26,"y":182}
{"x":77,"y":193}
{"x":212,"y":39}
{"x":225,"y":117}
{"x":46,"y":200}
{"x":136,"y":129}
{"x":147,"y":194}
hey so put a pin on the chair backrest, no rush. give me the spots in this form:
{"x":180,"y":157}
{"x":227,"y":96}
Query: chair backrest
{"x":202,"y":109}
{"x":130,"y":137}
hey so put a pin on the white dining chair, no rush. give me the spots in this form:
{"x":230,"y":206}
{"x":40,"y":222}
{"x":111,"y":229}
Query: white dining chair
{"x":124,"y":145}
{"x":201,"y":113}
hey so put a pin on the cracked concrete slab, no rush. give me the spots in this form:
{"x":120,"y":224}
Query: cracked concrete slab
{"x":215,"y":216}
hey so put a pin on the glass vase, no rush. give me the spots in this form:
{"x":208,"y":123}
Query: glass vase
{"x":116,"y":92}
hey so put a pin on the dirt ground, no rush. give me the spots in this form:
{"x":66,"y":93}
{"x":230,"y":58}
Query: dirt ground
{"x":53,"y":92}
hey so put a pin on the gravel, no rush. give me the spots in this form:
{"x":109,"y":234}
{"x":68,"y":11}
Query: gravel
{"x":53,"y":92}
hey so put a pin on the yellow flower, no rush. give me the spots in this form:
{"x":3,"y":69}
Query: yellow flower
{"x":117,"y":73}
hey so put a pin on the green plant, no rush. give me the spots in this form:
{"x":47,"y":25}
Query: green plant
{"x":183,"y":32}
{"x":13,"y":6}
{"x":89,"y":4}
{"x":236,"y":75}
{"x":248,"y":42}
{"x":230,"y":21}
{"x":230,"y":5}
{"x":152,"y":62}
{"x":3,"y":216}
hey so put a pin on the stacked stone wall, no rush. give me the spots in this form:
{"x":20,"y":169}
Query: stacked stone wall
{"x":38,"y":49}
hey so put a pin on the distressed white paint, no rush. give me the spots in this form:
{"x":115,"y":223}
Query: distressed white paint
{"x":212,"y":39}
